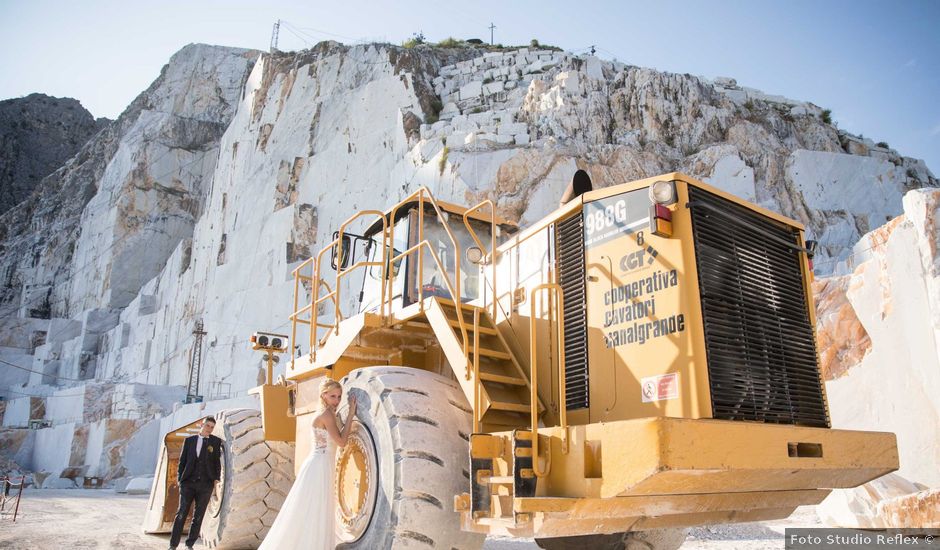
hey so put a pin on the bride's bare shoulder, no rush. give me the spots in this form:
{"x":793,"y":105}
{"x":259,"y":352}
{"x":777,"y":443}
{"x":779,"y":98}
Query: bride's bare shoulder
{"x":321,"y":419}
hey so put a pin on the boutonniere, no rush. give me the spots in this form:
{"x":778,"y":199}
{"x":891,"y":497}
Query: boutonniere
{"x":211,"y":450}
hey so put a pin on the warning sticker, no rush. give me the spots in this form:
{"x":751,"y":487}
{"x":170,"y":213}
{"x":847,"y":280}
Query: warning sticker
{"x":660,"y":388}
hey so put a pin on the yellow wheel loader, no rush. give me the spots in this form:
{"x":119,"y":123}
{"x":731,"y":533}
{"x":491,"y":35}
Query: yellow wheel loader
{"x":640,"y":361}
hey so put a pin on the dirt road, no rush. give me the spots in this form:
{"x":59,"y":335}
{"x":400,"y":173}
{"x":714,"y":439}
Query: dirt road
{"x":90,"y":519}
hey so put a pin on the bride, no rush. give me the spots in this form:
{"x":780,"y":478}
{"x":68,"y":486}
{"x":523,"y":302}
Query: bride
{"x":305,"y":520}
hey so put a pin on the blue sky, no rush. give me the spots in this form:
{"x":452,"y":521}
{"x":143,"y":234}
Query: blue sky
{"x":876,"y":65}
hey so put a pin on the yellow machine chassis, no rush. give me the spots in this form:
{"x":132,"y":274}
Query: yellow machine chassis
{"x":671,"y":472}
{"x":601,"y":477}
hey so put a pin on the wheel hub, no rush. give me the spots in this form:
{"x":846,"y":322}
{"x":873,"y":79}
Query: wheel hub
{"x":355,"y":479}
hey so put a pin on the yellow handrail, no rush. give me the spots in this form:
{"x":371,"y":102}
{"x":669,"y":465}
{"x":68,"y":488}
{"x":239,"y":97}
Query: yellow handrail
{"x":476,"y":371}
{"x":473,"y":235}
{"x":533,"y":372}
{"x":456,"y":295}
{"x":389,"y":258}
{"x":341,"y":272}
{"x":295,"y":316}
{"x":314,"y":307}
{"x":296,"y":313}
{"x":315,"y":298}
{"x":450,"y":288}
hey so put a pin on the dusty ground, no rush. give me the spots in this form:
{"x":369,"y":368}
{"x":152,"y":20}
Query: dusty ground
{"x":85,"y":519}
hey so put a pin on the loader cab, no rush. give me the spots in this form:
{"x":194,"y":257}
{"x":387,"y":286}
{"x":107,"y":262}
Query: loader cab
{"x":417,"y":274}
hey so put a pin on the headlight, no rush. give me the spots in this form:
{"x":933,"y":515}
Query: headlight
{"x":663,"y":192}
{"x":474,"y":255}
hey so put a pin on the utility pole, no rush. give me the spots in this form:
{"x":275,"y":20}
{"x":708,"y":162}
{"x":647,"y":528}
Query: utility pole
{"x":195,"y":365}
{"x":492,"y":26}
{"x":277,"y":28}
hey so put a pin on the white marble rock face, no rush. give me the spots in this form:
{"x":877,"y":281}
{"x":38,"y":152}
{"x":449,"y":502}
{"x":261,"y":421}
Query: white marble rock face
{"x":895,"y":297}
{"x":236,"y":165}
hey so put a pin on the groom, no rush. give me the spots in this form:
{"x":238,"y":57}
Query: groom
{"x":199,"y":469}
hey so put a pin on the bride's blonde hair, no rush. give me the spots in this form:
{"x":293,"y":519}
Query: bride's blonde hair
{"x":325,"y":386}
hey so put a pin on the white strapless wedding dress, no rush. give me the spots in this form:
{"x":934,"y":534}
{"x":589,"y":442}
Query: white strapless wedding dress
{"x":306,"y":519}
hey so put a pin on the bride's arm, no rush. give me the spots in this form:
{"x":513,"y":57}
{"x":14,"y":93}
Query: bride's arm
{"x":339,"y":437}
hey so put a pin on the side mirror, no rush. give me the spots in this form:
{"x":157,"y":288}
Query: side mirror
{"x":474,"y":255}
{"x":344,"y":247}
{"x":811,"y":248}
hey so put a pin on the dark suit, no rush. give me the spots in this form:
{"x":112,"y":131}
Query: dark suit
{"x":196,"y":475}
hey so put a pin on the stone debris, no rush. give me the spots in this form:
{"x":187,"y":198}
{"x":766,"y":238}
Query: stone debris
{"x":889,"y":501}
{"x":9,"y":468}
{"x":139,"y":486}
{"x":917,"y":510}
{"x":53,"y":482}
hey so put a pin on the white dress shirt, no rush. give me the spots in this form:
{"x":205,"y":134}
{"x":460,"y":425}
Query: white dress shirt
{"x":199,"y":444}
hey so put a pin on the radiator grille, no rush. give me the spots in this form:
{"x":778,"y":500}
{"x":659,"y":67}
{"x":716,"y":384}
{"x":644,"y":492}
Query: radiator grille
{"x":571,"y":278}
{"x":762,"y":361}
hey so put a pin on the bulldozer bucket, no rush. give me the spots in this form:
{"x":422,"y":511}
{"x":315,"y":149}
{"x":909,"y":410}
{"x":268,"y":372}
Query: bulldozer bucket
{"x":165,"y":492}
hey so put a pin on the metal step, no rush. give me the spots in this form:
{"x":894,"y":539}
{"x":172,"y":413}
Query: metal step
{"x":501,"y":379}
{"x":469,"y":326}
{"x":514,"y":407}
{"x":504,"y":393}
{"x":449,"y":308}
{"x":424,"y":323}
{"x":500,"y":480}
{"x":506,"y":418}
{"x":491,"y":353}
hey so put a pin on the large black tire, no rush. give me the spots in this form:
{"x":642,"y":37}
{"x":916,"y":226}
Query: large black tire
{"x":256,"y":477}
{"x":417,"y":424}
{"x":654,"y":539}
